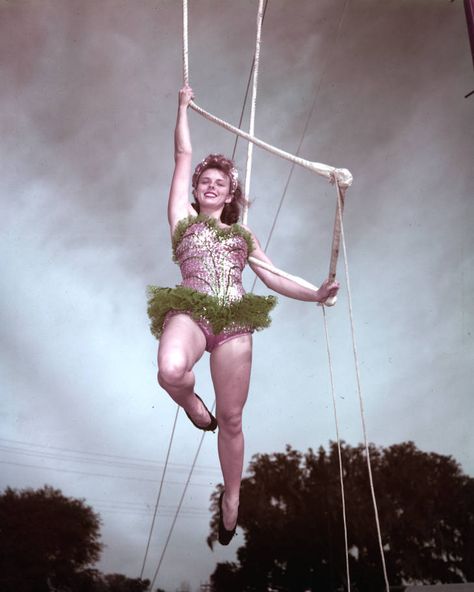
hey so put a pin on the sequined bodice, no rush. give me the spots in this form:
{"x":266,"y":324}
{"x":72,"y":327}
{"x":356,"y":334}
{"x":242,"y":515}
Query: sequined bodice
{"x":212,"y":258}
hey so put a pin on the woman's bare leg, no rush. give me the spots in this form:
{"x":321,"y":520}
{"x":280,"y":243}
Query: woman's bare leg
{"x":230,"y":368}
{"x":181,"y":346}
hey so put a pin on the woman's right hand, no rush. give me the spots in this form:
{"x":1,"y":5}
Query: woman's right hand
{"x":186,"y":95}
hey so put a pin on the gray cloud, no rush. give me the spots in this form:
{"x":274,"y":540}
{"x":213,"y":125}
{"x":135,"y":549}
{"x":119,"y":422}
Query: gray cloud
{"x":87,"y":115}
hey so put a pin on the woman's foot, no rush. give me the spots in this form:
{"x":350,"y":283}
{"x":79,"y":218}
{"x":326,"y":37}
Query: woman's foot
{"x":227,"y":522}
{"x":202,"y":418}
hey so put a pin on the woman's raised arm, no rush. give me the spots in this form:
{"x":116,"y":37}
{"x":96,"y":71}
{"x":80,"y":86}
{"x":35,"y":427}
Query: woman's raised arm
{"x":178,"y":203}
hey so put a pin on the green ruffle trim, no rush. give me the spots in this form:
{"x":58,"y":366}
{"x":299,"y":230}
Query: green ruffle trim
{"x":234,"y":229}
{"x":251,"y":311}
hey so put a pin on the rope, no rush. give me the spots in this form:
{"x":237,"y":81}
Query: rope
{"x":248,"y":171}
{"x":247,"y":90}
{"x":341,"y":473}
{"x":359,"y":392}
{"x":159,"y":493}
{"x":344,"y":176}
{"x":178,"y":509}
{"x":305,"y":129}
{"x":185,"y":43}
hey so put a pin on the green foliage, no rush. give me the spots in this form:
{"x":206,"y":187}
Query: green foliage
{"x":46,"y":539}
{"x":226,"y":577}
{"x":94,"y":581}
{"x":291,"y":515}
{"x":120,"y":583}
{"x":48,"y":542}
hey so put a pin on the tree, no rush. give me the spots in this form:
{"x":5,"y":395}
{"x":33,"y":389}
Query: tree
{"x":94,"y":581}
{"x":291,"y":516}
{"x":120,"y":583}
{"x":226,"y":577}
{"x":49,"y":542}
{"x":46,"y":539}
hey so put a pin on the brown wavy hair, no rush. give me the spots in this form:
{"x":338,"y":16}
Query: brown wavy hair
{"x":232,"y":210}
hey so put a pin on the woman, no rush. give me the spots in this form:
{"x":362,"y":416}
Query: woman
{"x":210,"y":310}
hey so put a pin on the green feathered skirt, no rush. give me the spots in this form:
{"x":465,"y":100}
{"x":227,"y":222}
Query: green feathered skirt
{"x":251,"y":312}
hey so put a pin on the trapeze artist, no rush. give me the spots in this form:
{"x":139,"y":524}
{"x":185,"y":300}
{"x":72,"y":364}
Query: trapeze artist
{"x":209,"y":310}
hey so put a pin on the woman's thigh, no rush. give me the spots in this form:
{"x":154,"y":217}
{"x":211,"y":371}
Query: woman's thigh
{"x":182,"y":342}
{"x":231,"y":364}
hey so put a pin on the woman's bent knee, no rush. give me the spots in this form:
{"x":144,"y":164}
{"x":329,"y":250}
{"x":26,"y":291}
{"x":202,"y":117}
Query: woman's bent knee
{"x":172,"y":369}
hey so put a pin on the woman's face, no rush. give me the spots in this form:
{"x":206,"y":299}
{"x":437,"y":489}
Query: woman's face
{"x":213,"y":189}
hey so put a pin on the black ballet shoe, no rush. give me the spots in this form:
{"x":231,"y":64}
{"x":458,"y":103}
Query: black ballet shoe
{"x":212,"y":425}
{"x":225,"y":536}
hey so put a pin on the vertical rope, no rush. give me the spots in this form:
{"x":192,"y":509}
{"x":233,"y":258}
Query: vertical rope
{"x":159,"y":493}
{"x":359,"y":390}
{"x":341,"y":472}
{"x":247,"y":89}
{"x":305,"y":129}
{"x":248,"y":172}
{"x":178,"y":509}
{"x":185,"y":43}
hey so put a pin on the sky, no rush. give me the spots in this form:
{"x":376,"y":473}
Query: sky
{"x":87,"y":110}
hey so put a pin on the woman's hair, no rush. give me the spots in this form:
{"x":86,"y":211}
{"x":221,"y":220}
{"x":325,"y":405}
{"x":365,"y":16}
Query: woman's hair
{"x":231,"y":212}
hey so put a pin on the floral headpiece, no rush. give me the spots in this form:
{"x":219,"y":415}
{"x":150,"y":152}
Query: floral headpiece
{"x":216,"y":160}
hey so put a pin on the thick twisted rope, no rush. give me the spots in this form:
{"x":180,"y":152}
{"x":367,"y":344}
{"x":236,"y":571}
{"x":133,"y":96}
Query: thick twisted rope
{"x":185,"y":43}
{"x":343,"y":176}
{"x":253,"y":107}
{"x":247,"y":90}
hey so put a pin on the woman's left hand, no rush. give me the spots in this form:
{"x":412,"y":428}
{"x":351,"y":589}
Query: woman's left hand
{"x":327,"y":290}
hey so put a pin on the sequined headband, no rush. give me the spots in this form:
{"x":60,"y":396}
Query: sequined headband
{"x":207,"y":163}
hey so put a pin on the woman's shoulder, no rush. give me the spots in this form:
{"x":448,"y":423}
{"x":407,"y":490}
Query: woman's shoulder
{"x":244,"y":231}
{"x":246,"y":228}
{"x":254,"y":240}
{"x":182,"y":226}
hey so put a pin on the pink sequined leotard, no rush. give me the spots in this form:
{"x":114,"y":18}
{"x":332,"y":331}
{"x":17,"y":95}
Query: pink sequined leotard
{"x":211,"y":259}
